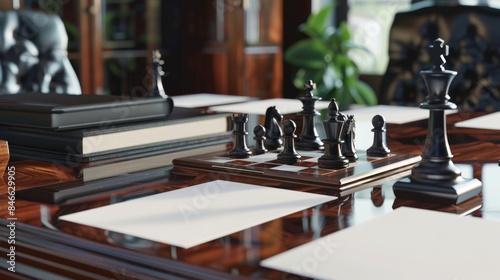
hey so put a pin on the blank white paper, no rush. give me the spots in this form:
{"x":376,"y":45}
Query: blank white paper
{"x":191,"y":216}
{"x":406,"y":243}
{"x":259,"y":107}
{"x":206,"y":99}
{"x":490,"y":121}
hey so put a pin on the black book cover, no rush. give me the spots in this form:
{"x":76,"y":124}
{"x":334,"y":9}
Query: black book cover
{"x":64,"y":111}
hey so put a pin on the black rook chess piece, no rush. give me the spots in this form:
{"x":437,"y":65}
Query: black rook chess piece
{"x":240,"y":149}
{"x":309,"y":138}
{"x":379,"y":146}
{"x":435,"y":177}
{"x":289,"y":155}
{"x":333,"y":158}
{"x":259,"y":131}
{"x":273,"y":129}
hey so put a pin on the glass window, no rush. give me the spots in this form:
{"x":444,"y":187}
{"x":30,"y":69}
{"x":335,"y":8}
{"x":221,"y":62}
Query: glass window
{"x":370,"y":22}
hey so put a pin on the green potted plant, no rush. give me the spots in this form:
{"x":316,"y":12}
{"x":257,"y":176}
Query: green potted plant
{"x":323,"y":58}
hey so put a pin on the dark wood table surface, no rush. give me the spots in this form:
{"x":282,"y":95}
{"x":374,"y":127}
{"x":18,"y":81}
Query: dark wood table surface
{"x":46,"y":246}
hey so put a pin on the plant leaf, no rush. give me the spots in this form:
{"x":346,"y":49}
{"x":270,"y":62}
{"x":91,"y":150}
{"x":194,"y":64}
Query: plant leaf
{"x":306,"y":53}
{"x":366,"y":93}
{"x":316,"y":23}
{"x":303,"y":75}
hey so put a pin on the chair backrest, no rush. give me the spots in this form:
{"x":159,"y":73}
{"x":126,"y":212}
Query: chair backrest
{"x":33,"y":51}
{"x":473,"y":36}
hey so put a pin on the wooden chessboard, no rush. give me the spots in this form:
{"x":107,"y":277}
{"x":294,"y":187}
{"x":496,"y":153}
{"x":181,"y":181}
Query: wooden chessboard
{"x":266,"y":166}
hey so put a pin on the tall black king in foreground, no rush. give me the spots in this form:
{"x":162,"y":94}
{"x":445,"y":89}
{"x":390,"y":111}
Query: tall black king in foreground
{"x":436,"y":178}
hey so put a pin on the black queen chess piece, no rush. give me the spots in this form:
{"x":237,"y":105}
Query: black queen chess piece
{"x":436,"y":178}
{"x":289,"y":155}
{"x":333,"y":158}
{"x":240,"y":149}
{"x":309,"y":138}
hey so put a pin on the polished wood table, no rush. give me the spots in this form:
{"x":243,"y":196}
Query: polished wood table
{"x":46,"y":247}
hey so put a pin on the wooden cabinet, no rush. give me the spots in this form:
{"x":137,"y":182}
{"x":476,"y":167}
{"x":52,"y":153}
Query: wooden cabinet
{"x":231,"y":47}
{"x":219,"y":46}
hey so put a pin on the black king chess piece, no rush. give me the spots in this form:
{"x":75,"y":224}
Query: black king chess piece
{"x":333,"y":158}
{"x":309,"y":138}
{"x":436,"y":178}
{"x":379,"y":147}
{"x":289,"y":155}
{"x":240,"y":149}
{"x":259,"y":131}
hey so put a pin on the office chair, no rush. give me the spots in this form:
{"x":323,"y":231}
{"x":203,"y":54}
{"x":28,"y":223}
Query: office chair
{"x":473,"y":36}
{"x":33,"y":54}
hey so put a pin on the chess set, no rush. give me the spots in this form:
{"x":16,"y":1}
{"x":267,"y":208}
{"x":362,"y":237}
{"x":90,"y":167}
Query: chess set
{"x":280,"y":154}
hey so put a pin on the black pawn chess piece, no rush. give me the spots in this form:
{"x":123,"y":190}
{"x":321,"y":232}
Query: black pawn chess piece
{"x":289,"y":155}
{"x":274,"y":133}
{"x":333,"y":158}
{"x":259,"y":131}
{"x":349,"y":148}
{"x":240,"y":149}
{"x":309,"y":138}
{"x":379,"y":147}
{"x":435,"y":178}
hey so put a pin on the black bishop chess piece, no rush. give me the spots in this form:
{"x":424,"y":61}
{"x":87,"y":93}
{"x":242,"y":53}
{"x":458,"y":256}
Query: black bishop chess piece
{"x":435,"y":178}
{"x":309,"y":138}
{"x":274,"y":133}
{"x":333,"y":158}
{"x":157,"y":89}
{"x":289,"y":155}
{"x":259,"y":131}
{"x":349,"y":136}
{"x":379,"y":147}
{"x":240,"y":149}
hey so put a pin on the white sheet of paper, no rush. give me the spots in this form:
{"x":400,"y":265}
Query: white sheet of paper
{"x":406,"y":243}
{"x":490,"y":121}
{"x":207,"y":99}
{"x":391,"y":114}
{"x":284,"y":105}
{"x":191,"y":216}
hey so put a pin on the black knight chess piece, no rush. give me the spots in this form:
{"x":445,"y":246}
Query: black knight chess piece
{"x":309,"y":138}
{"x":349,"y":136}
{"x":240,"y":149}
{"x":274,"y":133}
{"x":289,"y":155}
{"x":379,"y":147}
{"x":259,"y":131}
{"x":436,"y":178}
{"x":333,"y":158}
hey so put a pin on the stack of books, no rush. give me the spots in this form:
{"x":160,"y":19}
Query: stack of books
{"x":102,"y":136}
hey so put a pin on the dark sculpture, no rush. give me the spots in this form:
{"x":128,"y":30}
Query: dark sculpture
{"x":34,"y":58}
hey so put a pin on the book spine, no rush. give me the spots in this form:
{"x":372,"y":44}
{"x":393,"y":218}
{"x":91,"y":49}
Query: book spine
{"x":41,"y":141}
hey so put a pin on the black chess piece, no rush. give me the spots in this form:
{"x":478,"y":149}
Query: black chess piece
{"x":379,"y":147}
{"x":289,"y":155}
{"x":240,"y":149}
{"x":309,"y":138}
{"x":333,"y":158}
{"x":157,"y":89}
{"x":436,"y":178}
{"x":274,"y":133}
{"x":349,"y":148}
{"x":259,"y":131}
